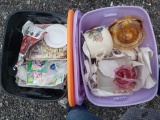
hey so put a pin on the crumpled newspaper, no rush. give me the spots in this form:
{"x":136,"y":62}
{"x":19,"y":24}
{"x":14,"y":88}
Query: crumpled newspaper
{"x":22,"y":83}
{"x":101,"y":82}
{"x":31,"y":35}
{"x":41,"y":51}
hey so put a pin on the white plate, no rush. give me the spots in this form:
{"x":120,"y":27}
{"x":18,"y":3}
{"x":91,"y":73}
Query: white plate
{"x":56,"y":36}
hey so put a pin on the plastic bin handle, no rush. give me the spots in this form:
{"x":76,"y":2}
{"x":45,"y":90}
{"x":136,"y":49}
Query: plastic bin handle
{"x":110,"y":15}
{"x":45,"y":19}
{"x":36,"y":93}
{"x":0,"y":55}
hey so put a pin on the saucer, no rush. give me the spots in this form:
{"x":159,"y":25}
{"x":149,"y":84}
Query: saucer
{"x":56,"y":36}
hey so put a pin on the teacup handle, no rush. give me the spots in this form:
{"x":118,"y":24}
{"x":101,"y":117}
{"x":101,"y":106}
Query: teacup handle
{"x":102,"y":56}
{"x":118,"y":55}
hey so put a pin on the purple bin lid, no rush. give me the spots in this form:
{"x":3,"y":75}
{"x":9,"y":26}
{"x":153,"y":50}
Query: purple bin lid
{"x":79,"y":88}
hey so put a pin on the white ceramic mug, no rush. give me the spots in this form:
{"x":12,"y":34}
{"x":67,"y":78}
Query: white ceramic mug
{"x":99,"y":42}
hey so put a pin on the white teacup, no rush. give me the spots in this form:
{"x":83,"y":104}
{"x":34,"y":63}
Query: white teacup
{"x":99,"y":42}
